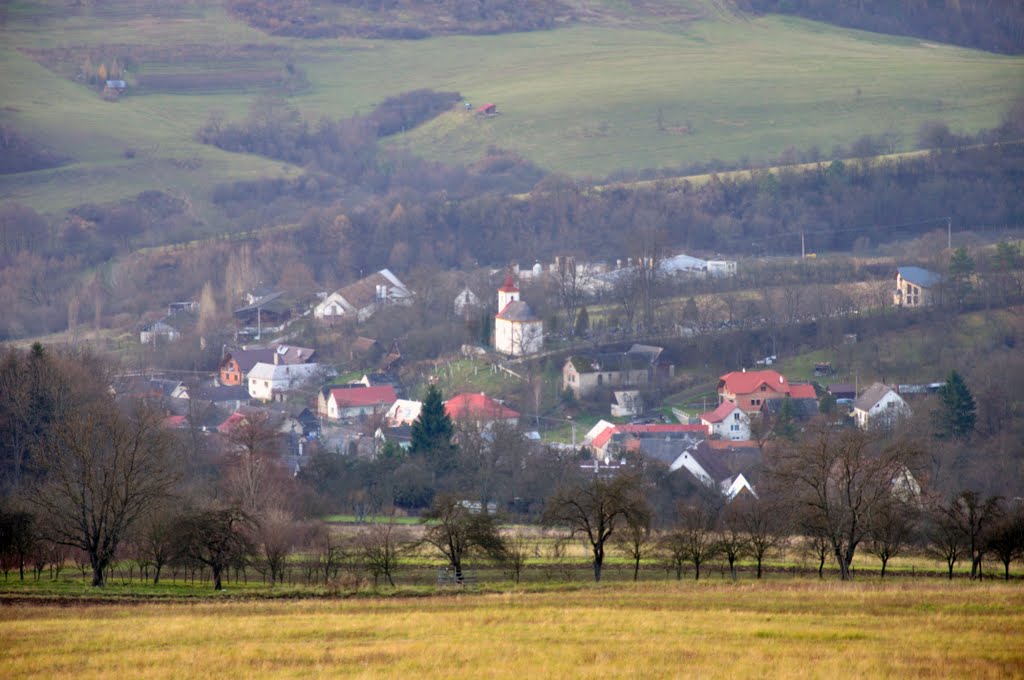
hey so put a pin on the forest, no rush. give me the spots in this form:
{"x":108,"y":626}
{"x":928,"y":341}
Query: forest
{"x":992,"y":25}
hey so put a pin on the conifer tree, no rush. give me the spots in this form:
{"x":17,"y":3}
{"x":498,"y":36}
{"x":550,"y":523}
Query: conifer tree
{"x":956,"y":415}
{"x":432,"y":434}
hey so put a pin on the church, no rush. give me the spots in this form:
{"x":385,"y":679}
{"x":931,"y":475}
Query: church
{"x":517,"y":330}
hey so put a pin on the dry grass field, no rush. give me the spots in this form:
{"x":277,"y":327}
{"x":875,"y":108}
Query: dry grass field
{"x":712,"y":630}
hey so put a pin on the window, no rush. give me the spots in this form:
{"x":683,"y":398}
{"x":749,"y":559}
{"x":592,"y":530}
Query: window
{"x":736,"y":416}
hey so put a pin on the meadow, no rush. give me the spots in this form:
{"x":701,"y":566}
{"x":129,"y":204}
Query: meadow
{"x":713,"y":630}
{"x":619,"y":89}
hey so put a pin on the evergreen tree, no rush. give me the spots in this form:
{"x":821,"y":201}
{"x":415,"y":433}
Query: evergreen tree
{"x":582,"y":321}
{"x":432,"y":434}
{"x":956,"y":414}
{"x":961,"y":268}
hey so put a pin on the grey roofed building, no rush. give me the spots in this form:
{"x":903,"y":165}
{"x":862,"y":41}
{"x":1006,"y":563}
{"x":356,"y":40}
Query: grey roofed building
{"x":871,"y":396}
{"x":920,"y":276}
{"x":517,"y":310}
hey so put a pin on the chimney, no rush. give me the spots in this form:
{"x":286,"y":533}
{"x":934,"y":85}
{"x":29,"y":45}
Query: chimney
{"x":275,"y":358}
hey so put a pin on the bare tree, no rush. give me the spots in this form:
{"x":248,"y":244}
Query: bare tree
{"x":974,"y":515}
{"x":763,"y":527}
{"x":944,"y":538}
{"x":595,"y":509}
{"x":276,"y":535}
{"x":329,"y":551}
{"x":892,"y":528}
{"x":157,"y":543}
{"x":837,"y":481}
{"x":672,"y":544}
{"x":733,"y":541}
{"x":517,"y":544}
{"x":696,"y":529}
{"x":1006,"y":540}
{"x":572,"y":282}
{"x":635,"y":539}
{"x":99,"y":473}
{"x":381,"y":547}
{"x":217,"y":538}
{"x":458,"y":533}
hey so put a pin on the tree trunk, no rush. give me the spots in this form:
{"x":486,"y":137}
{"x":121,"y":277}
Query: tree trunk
{"x":458,"y":571}
{"x":1006,"y":566}
{"x":732,"y":567}
{"x":696,"y":571}
{"x":99,"y":571}
{"x":598,"y":560}
{"x":156,"y":573}
{"x":759,"y":567}
{"x":217,"y":585}
{"x":679,"y":571}
{"x":885,"y":560}
{"x":636,"y":570}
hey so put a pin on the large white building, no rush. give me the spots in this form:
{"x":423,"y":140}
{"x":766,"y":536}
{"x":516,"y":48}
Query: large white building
{"x":269,"y":381}
{"x":517,"y":330}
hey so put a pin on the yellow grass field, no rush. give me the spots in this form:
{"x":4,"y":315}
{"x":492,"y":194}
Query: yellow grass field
{"x":712,"y":630}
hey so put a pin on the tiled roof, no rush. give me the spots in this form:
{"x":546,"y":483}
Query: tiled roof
{"x":363,"y":396}
{"x":517,"y":310}
{"x":871,"y":396}
{"x":603,"y":438}
{"x":363,"y":292}
{"x":720,"y":413}
{"x":477,"y":406}
{"x":744,"y":382}
{"x":247,"y":358}
{"x":803,"y":391}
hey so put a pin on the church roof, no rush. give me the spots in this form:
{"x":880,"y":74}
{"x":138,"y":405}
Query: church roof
{"x":517,"y":310}
{"x":510,"y":285}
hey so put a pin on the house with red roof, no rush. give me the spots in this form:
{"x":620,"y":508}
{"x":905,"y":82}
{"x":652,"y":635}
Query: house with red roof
{"x":479,"y":408}
{"x":617,"y":438}
{"x":728,"y":421}
{"x":751,"y":389}
{"x":355,"y":401}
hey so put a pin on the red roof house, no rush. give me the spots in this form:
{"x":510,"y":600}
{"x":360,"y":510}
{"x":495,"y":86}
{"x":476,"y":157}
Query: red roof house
{"x":487,"y":109}
{"x":357,"y":401}
{"x":480,"y":408}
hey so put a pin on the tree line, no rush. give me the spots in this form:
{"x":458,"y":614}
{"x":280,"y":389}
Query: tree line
{"x":990,"y":25}
{"x":96,"y":479}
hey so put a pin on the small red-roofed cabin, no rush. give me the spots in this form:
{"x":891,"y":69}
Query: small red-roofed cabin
{"x":487,"y":110}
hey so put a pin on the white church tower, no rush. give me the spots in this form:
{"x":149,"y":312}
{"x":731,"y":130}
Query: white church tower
{"x":517,"y":330}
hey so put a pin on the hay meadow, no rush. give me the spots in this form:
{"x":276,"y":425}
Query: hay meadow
{"x":793,"y":628}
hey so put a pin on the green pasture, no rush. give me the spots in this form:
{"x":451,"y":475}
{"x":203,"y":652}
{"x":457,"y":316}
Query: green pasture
{"x":583,"y":100}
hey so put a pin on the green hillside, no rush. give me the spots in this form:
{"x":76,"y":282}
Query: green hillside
{"x":620,"y":88}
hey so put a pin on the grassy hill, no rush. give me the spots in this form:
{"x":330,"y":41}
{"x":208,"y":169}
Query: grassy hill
{"x":670,"y":83}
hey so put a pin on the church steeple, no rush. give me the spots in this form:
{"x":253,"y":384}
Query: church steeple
{"x":509,"y":291}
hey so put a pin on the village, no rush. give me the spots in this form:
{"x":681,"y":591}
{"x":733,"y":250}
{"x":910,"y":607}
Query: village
{"x":610,"y":401}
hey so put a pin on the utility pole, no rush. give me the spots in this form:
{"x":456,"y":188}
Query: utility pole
{"x":803,"y":250}
{"x":949,"y":233}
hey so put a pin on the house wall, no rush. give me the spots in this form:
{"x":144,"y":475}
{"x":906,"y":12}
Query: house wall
{"x":585,"y":384}
{"x":911,"y":295}
{"x":230,"y":374}
{"x":884,"y":413}
{"x":751,"y":402}
{"x":736,"y":427}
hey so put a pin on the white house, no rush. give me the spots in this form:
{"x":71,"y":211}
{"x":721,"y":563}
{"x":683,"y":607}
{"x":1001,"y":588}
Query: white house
{"x":879,"y":406}
{"x":728,"y":421}
{"x":355,"y":401}
{"x":269,"y":381}
{"x":403,"y":412}
{"x":915,"y":287}
{"x":517,"y":330}
{"x":466,"y":302}
{"x":361,"y":299}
